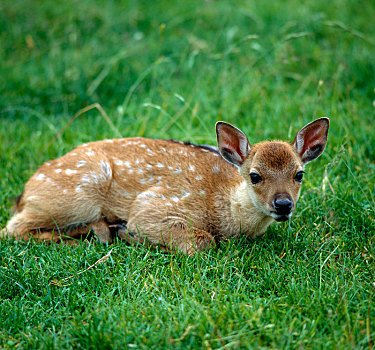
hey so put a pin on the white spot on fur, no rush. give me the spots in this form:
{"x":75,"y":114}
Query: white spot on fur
{"x":94,"y":177}
{"x":130,"y":171}
{"x":140,"y":171}
{"x":40,"y":177}
{"x":119,"y":162}
{"x":215,"y":169}
{"x":162,"y":149}
{"x":79,"y":188}
{"x":170,"y":168}
{"x":160,"y":165}
{"x":58,"y":171}
{"x":73,"y":154}
{"x":162,"y":197}
{"x":168,"y":187}
{"x":148,"y":166}
{"x":191,"y":167}
{"x":126,"y":194}
{"x":106,"y":168}
{"x":59,"y":164}
{"x":147,"y":194}
{"x":202,"y":192}
{"x":199,"y":177}
{"x":174,"y":199}
{"x":85,"y":179}
{"x":81,"y":163}
{"x":127,"y":163}
{"x":48,"y":163}
{"x":48,"y":179}
{"x":170,"y":151}
{"x":65,"y":191}
{"x":109,"y":141}
{"x":178,"y":170}
{"x":143,"y":145}
{"x":185,"y":194}
{"x":70,"y":171}
{"x":192,"y":154}
{"x":142,"y":181}
{"x":169,"y":204}
{"x":90,"y":153}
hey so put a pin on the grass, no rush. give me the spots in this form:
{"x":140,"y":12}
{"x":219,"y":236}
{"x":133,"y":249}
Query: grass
{"x":166,"y":70}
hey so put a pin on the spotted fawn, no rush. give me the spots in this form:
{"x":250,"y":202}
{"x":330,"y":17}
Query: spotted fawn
{"x":177,"y":195}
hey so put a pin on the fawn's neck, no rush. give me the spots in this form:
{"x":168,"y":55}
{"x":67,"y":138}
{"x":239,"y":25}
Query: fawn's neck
{"x":241,"y":215}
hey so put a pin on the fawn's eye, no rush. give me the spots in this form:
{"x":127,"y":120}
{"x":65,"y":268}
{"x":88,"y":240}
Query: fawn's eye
{"x":255,"y":178}
{"x":299,"y":176}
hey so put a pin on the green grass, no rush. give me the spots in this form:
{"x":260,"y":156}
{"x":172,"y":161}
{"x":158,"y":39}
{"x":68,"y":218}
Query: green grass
{"x":171,"y":70}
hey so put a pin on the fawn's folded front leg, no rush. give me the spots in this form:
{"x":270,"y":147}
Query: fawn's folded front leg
{"x":151,"y":220}
{"x":176,"y":236}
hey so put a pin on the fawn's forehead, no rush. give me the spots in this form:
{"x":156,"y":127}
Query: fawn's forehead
{"x":275,"y":156}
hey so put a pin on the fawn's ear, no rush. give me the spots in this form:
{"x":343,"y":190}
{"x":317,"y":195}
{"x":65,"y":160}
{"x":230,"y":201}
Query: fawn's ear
{"x":232,"y":142}
{"x":311,"y":140}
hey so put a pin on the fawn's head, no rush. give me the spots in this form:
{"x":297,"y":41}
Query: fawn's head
{"x":273,"y":170}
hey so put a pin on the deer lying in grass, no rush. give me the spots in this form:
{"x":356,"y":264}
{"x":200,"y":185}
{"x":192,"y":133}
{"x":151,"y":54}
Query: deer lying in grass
{"x":165,"y":192}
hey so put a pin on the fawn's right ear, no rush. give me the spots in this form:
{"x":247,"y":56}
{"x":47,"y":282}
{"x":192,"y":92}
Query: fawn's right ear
{"x":311,"y":140}
{"x":232,"y":142}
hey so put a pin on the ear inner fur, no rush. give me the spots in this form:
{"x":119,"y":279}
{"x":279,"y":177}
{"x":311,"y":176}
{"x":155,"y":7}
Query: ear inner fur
{"x":311,"y":140}
{"x":232,"y":143}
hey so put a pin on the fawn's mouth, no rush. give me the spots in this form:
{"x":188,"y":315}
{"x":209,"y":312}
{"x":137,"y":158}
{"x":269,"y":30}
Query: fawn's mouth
{"x":281,"y":218}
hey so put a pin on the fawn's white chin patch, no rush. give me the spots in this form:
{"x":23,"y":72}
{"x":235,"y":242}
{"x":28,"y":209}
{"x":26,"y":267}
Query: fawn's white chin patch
{"x":280,"y":218}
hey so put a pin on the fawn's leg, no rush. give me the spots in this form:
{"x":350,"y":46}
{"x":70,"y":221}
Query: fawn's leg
{"x":100,"y":229}
{"x":151,"y":220}
{"x":179,"y":236}
{"x":58,"y":197}
{"x":47,"y":212}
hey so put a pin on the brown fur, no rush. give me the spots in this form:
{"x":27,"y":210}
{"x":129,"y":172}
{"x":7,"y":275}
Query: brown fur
{"x":176,"y":195}
{"x":277,"y":162}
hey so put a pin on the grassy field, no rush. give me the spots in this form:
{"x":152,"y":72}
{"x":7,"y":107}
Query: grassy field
{"x":170,"y":70}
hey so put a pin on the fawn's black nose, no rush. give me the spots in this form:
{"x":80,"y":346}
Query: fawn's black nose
{"x":283,"y":205}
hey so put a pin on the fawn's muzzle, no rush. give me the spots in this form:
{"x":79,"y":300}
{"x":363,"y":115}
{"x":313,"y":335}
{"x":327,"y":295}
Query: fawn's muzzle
{"x":283,"y":206}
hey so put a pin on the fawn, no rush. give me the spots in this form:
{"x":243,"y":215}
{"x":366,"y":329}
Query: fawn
{"x":178,"y":195}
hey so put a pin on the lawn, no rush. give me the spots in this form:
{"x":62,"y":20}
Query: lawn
{"x":167,"y":69}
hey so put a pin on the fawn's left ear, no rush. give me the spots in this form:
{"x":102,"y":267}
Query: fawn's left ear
{"x":232,"y":142}
{"x":311,"y":140}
